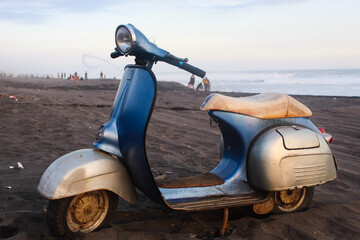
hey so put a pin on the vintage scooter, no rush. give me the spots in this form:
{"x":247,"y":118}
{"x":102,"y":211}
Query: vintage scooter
{"x":272,"y":155}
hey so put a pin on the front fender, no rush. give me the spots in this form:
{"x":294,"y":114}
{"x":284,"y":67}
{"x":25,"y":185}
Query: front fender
{"x":83,"y":171}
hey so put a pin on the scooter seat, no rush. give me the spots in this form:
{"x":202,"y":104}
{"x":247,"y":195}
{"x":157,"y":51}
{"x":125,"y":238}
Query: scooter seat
{"x":265,"y":105}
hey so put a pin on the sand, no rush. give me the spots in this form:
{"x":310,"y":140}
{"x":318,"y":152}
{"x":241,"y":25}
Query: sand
{"x":42,"y":119}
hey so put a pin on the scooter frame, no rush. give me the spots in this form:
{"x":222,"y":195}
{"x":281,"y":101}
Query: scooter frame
{"x":251,"y":170}
{"x":124,"y":137}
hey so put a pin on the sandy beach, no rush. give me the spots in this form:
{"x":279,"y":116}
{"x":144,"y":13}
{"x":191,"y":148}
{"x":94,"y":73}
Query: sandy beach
{"x":43,"y":119}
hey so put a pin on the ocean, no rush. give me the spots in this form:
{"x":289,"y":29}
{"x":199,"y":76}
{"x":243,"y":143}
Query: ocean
{"x":341,"y":82}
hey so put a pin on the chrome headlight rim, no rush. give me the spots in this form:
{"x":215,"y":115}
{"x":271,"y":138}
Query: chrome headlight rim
{"x":132,"y":35}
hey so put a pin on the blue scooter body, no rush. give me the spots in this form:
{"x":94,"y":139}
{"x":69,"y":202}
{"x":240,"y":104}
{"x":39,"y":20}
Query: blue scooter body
{"x":124,"y":136}
{"x":271,"y":164}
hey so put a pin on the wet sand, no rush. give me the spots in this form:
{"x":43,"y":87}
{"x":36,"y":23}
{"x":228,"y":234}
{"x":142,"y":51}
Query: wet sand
{"x":42,"y":119}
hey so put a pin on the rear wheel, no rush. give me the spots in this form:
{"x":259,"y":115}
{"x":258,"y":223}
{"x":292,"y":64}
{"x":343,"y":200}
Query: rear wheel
{"x":292,"y":200}
{"x":85,"y":212}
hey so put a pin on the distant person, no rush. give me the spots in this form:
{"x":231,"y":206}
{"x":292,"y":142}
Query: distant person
{"x":206,"y":84}
{"x":200,"y":87}
{"x":101,"y":75}
{"x":192,"y":82}
{"x":86,"y":76}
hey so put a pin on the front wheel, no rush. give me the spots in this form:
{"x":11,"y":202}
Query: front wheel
{"x":85,"y":212}
{"x":292,"y":200}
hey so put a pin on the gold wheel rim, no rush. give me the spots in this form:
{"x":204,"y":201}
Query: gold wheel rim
{"x":87,"y":211}
{"x":290,"y":200}
{"x":290,"y":196}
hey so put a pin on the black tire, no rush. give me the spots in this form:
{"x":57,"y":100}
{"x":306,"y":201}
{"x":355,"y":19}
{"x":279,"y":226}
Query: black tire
{"x":292,"y":200}
{"x":85,"y":212}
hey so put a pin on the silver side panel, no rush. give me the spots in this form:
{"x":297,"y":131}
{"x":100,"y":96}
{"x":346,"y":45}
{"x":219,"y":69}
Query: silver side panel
{"x":86,"y":170}
{"x":290,"y":157}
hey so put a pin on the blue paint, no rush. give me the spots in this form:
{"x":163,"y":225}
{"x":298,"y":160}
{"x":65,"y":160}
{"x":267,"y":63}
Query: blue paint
{"x":129,"y":119}
{"x":124,"y":134}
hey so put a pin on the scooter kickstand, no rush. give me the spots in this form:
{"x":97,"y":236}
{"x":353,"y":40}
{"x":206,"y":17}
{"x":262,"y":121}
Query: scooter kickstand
{"x":225,"y":220}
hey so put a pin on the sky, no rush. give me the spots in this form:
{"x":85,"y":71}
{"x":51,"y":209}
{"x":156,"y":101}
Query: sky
{"x":47,"y":37}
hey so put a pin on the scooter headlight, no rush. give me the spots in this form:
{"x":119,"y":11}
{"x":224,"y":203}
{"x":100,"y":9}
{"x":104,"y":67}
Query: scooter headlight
{"x":124,"y":39}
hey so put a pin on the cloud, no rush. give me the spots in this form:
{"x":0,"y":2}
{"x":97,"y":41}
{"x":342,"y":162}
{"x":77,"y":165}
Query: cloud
{"x":237,"y":3}
{"x":38,"y":11}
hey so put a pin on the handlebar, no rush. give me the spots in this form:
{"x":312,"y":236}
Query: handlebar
{"x":116,"y":53}
{"x":172,"y":60}
{"x":191,"y":69}
{"x":182,"y":63}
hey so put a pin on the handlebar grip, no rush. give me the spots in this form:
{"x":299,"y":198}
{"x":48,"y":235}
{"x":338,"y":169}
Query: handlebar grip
{"x":190,"y":68}
{"x":116,"y":54}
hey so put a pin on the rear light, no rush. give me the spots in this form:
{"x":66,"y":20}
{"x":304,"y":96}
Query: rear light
{"x":327,"y":136}
{"x":321,"y":130}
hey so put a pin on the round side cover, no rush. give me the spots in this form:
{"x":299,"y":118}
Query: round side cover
{"x":273,"y":167}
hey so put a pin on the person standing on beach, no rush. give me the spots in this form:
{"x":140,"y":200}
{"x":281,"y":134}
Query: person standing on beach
{"x":192,"y":82}
{"x":101,"y":75}
{"x":86,"y":75}
{"x":206,"y":84}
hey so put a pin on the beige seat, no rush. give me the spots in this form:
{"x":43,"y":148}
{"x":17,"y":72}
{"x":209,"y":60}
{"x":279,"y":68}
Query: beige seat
{"x":264,"y":105}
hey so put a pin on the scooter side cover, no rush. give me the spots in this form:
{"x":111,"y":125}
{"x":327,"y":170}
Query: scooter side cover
{"x":83,"y":171}
{"x":290,"y":157}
